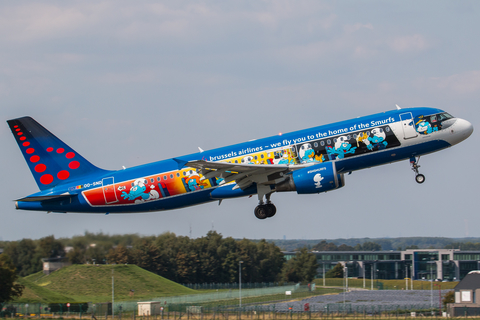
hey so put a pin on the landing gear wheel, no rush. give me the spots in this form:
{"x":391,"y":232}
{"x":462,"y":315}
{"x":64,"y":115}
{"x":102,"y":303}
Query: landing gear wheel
{"x":261,"y":211}
{"x":271,"y":210}
{"x":420,"y":178}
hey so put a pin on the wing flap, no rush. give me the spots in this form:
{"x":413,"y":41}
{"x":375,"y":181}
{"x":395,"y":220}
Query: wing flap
{"x":244,"y":175}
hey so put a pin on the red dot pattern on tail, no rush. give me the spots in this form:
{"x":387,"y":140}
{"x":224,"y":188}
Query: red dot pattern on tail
{"x":47,"y":178}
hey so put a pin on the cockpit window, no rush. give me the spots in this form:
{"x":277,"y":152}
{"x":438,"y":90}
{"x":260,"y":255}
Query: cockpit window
{"x":444,"y":116}
{"x":432,"y":123}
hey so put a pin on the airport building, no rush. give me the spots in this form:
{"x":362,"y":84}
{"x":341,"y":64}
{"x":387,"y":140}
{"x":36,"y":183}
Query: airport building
{"x":419,"y":264}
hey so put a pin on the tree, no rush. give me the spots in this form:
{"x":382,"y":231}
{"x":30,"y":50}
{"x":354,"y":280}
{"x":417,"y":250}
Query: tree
{"x":119,"y":255}
{"x":8,"y":275}
{"x":24,"y":256}
{"x":325,"y":246}
{"x":344,"y":247}
{"x":336,"y":272}
{"x":48,"y":247}
{"x":371,"y":246}
{"x":301,"y":268}
{"x":448,"y":298}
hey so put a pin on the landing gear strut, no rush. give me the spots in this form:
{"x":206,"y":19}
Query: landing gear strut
{"x":264,"y":210}
{"x":420,"y":178}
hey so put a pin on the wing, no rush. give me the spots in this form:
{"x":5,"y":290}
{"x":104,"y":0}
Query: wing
{"x":244,"y":175}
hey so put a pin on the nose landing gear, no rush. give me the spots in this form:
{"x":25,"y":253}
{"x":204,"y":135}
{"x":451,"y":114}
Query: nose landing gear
{"x":420,"y":178}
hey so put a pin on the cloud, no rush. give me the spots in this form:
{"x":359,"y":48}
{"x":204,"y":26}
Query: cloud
{"x":33,"y":22}
{"x":410,"y":43}
{"x":349,"y":28}
{"x":461,"y":83}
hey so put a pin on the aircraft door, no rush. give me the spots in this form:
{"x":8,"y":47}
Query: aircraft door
{"x":109,"y":190}
{"x":408,"y":126}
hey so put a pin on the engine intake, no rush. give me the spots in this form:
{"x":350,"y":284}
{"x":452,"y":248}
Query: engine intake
{"x":315,"y":179}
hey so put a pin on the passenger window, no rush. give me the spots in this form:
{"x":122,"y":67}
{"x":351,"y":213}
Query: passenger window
{"x":322,"y":143}
{"x":315,"y":144}
{"x":184,"y":173}
{"x":329,"y":141}
{"x":178,"y":174}
{"x":151,"y":180}
{"x":164,"y":177}
{"x":158,"y":178}
{"x":171,"y":176}
{"x":256,"y":158}
{"x":261,"y":156}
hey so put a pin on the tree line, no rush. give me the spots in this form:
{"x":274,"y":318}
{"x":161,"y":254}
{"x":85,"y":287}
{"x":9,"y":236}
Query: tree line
{"x":209,"y":259}
{"x":387,"y":243}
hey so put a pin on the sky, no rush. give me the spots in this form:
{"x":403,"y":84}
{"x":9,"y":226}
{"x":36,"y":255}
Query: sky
{"x":126,"y":83}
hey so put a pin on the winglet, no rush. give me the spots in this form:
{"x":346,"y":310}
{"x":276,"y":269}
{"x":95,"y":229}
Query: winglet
{"x":181,"y":163}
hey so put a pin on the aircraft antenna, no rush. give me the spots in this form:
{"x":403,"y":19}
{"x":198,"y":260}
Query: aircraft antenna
{"x":398,"y":108}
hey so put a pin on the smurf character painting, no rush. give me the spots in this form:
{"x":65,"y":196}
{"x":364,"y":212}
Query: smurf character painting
{"x":377,"y":139}
{"x":138,"y":190}
{"x":318,"y":180}
{"x":341,"y":148}
{"x":307,"y":154}
{"x":284,"y":159}
{"x":194,"y":182}
{"x":424,"y":127}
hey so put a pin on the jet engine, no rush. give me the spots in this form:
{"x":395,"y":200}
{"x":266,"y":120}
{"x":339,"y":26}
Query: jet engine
{"x":315,"y":179}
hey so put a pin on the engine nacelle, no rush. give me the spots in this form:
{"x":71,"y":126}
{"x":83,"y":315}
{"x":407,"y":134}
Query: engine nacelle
{"x":315,"y":179}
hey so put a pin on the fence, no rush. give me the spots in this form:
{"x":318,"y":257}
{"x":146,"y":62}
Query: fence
{"x":235,"y":285}
{"x":188,"y":312}
{"x":131,"y":306}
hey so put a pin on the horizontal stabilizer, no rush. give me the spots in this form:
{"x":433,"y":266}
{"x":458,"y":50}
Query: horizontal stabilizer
{"x":47,"y":198}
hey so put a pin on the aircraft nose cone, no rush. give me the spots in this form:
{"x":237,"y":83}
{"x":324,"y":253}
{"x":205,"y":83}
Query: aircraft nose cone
{"x":464,"y":127}
{"x":459,"y":131}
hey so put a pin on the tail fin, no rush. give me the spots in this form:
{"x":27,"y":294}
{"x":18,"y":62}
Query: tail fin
{"x":50,"y":160}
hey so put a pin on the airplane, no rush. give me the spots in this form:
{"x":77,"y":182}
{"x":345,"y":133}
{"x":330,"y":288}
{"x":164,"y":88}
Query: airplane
{"x":309,"y":161}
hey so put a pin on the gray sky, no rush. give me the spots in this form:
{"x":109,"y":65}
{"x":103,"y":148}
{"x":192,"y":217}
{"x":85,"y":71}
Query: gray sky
{"x":128,"y":83}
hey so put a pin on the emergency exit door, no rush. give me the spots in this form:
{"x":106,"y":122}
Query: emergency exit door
{"x":109,"y":190}
{"x":408,"y":126}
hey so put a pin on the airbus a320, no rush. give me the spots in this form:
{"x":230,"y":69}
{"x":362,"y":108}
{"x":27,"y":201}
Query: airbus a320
{"x":309,"y":161}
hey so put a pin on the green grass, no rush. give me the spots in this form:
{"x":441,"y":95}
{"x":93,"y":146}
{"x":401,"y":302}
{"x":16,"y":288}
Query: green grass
{"x":93,"y":283}
{"x":37,"y":294}
{"x":274,"y":297}
{"x":385,"y":284}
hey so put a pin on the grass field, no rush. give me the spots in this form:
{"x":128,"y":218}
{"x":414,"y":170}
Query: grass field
{"x":93,"y":283}
{"x":385,"y":284}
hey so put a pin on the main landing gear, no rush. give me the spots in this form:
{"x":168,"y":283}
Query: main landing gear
{"x":264,"y":210}
{"x":420,"y":178}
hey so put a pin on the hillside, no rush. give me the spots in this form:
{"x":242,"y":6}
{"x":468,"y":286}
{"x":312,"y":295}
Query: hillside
{"x":84,"y":283}
{"x":38,"y":294}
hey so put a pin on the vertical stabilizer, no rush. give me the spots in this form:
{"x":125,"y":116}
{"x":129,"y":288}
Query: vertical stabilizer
{"x":50,"y":160}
